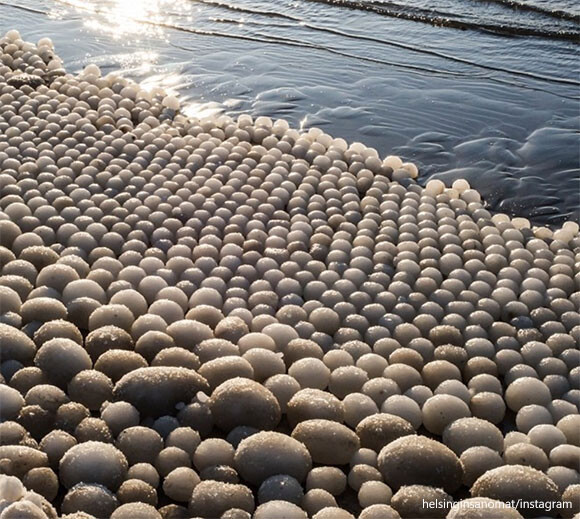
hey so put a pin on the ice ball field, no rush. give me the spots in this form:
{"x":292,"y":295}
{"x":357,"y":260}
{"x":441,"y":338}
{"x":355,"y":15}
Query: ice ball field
{"x":230,"y":319}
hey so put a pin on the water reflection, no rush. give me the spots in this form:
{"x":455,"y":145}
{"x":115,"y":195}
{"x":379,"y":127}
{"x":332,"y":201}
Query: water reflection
{"x":136,"y":20}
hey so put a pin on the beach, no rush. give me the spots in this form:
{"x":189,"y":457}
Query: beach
{"x":212,"y":309}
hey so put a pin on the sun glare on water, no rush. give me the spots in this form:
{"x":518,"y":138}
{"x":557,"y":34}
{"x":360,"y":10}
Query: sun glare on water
{"x":130,"y":19}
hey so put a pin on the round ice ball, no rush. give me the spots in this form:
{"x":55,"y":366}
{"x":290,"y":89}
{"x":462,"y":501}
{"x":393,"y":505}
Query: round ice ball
{"x":380,"y":429}
{"x":61,"y":359}
{"x":476,"y":461}
{"x":213,"y":498}
{"x":93,"y":499}
{"x":379,"y":512}
{"x":516,"y":482}
{"x":12,"y":403}
{"x":179,"y":484}
{"x":213,"y":451}
{"x":266,"y":454}
{"x":412,"y":500}
{"x":16,"y":345}
{"x":140,"y":444}
{"x":136,"y":490}
{"x":464,"y":433}
{"x":281,"y":487}
{"x":404,"y":407}
{"x":279,"y":509}
{"x":374,"y":493}
{"x":441,"y":410}
{"x":478,"y":508}
{"x":131,"y":510}
{"x":526,"y":391}
{"x":310,"y":373}
{"x":241,"y":401}
{"x":328,"y":442}
{"x":429,"y":463}
{"x":93,"y":462}
{"x":119,"y":416}
{"x":309,"y":404}
{"x":331,"y":479}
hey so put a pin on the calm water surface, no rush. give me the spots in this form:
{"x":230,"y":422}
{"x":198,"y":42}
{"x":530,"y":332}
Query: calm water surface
{"x":488,"y":90}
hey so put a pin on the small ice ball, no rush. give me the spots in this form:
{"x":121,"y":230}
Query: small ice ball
{"x":333,"y":512}
{"x":405,"y":407}
{"x":476,"y":461}
{"x":119,"y":416}
{"x":91,"y":388}
{"x":379,"y":512}
{"x":11,"y":488}
{"x":269,"y":453}
{"x":328,"y":442}
{"x":526,"y":454}
{"x":325,"y":320}
{"x":185,"y":438}
{"x":461,"y":185}
{"x":213,"y":498}
{"x":516,"y":482}
{"x":345,"y":380}
{"x":180,"y":483}
{"x":93,"y":462}
{"x":61,"y":359}
{"x":525,"y":391}
{"x":429,"y":462}
{"x":132,"y":510}
{"x":111,"y":315}
{"x":145,"y":472}
{"x":12,"y":403}
{"x":310,"y":373}
{"x":361,"y":473}
{"x":265,"y":363}
{"x":379,"y":429}
{"x":316,"y":499}
{"x":357,"y":406}
{"x":331,"y":479}
{"x":241,"y":401}
{"x":441,"y":410}
{"x":309,"y":404}
{"x":488,"y":406}
{"x":43,"y":481}
{"x":92,"y":70}
{"x":464,"y":433}
{"x":171,"y":458}
{"x":213,"y":451}
{"x":280,"y":487}
{"x":569,"y":426}
{"x":546,"y":437}
{"x":136,"y":490}
{"x":434,"y":187}
{"x":283,"y":387}
{"x":392,"y":162}
{"x":14,"y":35}
{"x":374,"y":493}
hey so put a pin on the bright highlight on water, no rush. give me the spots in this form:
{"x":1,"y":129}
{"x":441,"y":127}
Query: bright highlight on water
{"x":226,"y":318}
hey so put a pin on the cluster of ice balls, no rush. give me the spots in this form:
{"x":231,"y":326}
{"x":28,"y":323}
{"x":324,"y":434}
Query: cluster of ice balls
{"x":18,"y":502}
{"x":219,"y":318}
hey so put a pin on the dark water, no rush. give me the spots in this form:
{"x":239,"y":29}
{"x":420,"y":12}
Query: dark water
{"x":488,"y":90}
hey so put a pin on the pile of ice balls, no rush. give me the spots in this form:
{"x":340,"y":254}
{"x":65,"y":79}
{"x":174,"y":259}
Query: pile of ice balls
{"x":229,"y":319}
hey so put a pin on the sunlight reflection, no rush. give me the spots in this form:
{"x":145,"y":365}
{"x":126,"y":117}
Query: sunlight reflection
{"x":169,"y":81}
{"x":134,"y":19}
{"x":203,"y":110}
